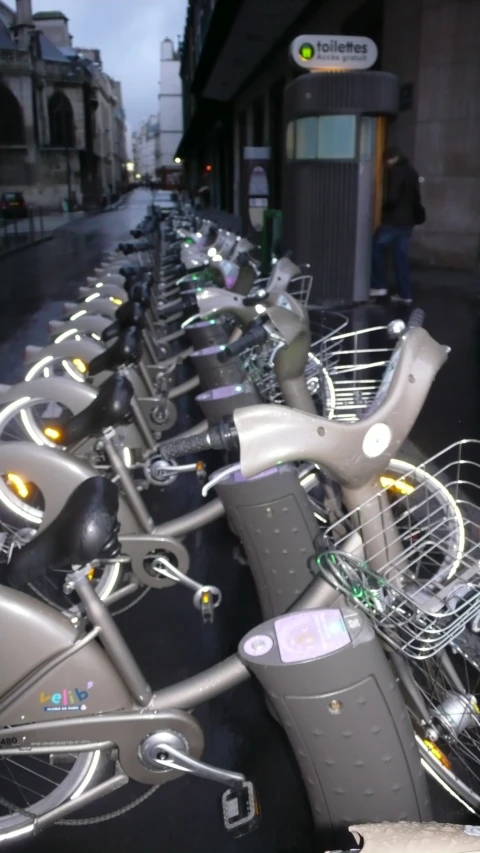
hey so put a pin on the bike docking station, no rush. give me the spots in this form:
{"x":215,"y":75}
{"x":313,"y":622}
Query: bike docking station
{"x":335,"y":119}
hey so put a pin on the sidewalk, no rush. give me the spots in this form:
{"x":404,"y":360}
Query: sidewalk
{"x":427,"y":279}
{"x":20,"y":235}
{"x":53,"y":221}
{"x":47,"y":223}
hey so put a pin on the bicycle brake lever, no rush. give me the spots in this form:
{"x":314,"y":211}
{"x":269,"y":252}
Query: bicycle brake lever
{"x":271,"y":360}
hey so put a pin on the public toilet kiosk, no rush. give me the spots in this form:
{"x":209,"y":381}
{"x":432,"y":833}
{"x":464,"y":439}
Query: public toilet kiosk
{"x":335,"y":129}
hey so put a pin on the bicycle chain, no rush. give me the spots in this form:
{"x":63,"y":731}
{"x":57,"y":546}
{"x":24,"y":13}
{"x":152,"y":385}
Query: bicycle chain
{"x":17,"y":809}
{"x":110,"y":815}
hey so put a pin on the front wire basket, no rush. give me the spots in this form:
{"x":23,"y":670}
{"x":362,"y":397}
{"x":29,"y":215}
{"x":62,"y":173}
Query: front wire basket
{"x":325,"y":328}
{"x":353,"y":379}
{"x":421,"y":586}
{"x":299,"y":287}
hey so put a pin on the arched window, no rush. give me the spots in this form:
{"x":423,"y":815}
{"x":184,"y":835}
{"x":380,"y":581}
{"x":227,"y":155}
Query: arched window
{"x":60,"y":114}
{"x":12,"y":131}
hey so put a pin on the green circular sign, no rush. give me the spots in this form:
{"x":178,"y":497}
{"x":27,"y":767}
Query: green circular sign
{"x":306,"y":51}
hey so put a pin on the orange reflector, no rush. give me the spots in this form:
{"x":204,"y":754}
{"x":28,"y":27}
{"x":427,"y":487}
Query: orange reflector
{"x":91,"y":574}
{"x":78,"y":363}
{"x":115,"y":300}
{"x":200,"y":466}
{"x":399,"y":486}
{"x":205,"y":597}
{"x":18,"y":484}
{"x":438,"y":754}
{"x":52,"y":433}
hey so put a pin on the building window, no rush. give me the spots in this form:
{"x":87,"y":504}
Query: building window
{"x":367,"y":137}
{"x":306,"y":138}
{"x":336,"y":137}
{"x":12,"y":130}
{"x":322,"y":138}
{"x":62,"y":128}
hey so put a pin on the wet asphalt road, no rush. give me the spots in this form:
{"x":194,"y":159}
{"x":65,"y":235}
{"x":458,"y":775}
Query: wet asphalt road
{"x":163,"y":630}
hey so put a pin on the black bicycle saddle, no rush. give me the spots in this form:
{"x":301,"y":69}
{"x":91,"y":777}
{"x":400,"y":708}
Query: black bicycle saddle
{"x":125,"y":351}
{"x":129,"y":314}
{"x":138,"y":291}
{"x":111,"y":407}
{"x":85,"y":529}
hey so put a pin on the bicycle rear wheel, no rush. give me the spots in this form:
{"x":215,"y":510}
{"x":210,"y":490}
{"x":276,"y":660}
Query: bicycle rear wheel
{"x":442,"y":694}
{"x":32,"y":786}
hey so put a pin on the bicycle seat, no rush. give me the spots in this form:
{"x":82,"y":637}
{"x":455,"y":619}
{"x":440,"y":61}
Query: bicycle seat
{"x":125,"y":351}
{"x":110,"y":408}
{"x":138,"y":291}
{"x":129,"y":314}
{"x":129,"y":271}
{"x":84,"y":530}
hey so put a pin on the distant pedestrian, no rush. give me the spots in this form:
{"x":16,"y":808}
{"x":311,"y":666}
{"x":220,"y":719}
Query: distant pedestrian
{"x":205,"y":197}
{"x":402,"y":210}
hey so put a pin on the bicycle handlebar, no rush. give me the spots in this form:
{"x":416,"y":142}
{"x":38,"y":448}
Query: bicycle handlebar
{"x":255,"y":335}
{"x":220,"y":437}
{"x":416,"y":319}
{"x":256,"y":298}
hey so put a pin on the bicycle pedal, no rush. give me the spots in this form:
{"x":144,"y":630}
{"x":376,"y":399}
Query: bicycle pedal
{"x":207,"y":607}
{"x":241,"y":810}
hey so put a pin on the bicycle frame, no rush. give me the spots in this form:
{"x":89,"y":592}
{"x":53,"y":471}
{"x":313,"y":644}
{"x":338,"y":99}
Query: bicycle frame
{"x":57,"y":474}
{"x":123,"y":712}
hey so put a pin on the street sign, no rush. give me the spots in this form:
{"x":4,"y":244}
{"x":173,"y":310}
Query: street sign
{"x":333,"y":53}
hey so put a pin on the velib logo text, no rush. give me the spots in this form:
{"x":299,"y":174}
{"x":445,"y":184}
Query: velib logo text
{"x":345,"y":50}
{"x":66,"y":699}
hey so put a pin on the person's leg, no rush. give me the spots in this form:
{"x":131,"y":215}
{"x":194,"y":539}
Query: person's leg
{"x":401,"y":246}
{"x":381,"y":239}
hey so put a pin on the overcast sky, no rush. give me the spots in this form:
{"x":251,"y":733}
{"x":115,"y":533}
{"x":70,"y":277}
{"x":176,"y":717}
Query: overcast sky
{"x":128,"y":33}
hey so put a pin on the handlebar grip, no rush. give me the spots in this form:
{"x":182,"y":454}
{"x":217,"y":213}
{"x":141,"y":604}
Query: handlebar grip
{"x":220,"y":437}
{"x":175,"y":447}
{"x":252,"y":338}
{"x":416,"y":319}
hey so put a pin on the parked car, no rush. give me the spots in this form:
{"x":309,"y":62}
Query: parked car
{"x":165,"y":201}
{"x":13,"y":206}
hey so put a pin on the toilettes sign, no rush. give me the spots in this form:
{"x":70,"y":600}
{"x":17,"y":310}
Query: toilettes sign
{"x":333,"y":53}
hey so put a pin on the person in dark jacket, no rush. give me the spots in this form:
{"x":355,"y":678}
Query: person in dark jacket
{"x":399,"y":217}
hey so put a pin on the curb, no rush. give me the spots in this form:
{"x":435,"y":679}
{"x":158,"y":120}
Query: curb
{"x":17,"y":249}
{"x":117,"y":206}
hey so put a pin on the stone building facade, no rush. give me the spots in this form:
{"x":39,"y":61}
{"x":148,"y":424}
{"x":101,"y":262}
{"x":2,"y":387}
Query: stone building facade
{"x":146,"y":148}
{"x":170,"y":104}
{"x":62,"y":134}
